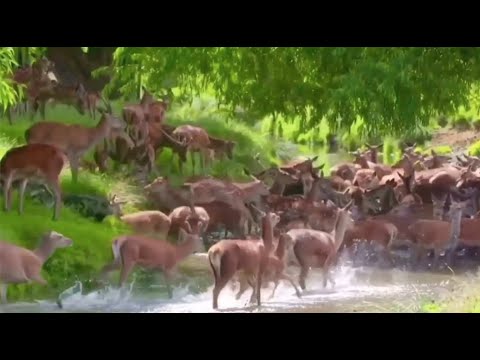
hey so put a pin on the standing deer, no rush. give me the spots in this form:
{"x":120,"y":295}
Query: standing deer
{"x":132,"y":250}
{"x":227,"y":257}
{"x":32,"y":162}
{"x":314,"y":248}
{"x":74,"y":140}
{"x":19,"y":265}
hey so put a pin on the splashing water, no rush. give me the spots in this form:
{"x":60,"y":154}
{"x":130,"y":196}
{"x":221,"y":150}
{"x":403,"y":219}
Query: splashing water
{"x":356,"y":289}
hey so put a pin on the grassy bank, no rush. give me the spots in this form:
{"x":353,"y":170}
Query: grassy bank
{"x":92,"y":240}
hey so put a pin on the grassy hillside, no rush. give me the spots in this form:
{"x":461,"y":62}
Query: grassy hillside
{"x":92,"y":240}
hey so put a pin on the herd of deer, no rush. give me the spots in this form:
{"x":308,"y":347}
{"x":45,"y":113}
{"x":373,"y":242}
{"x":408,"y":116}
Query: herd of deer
{"x":287,"y":215}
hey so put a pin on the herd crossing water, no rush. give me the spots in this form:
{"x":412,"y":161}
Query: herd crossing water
{"x":357,"y":289}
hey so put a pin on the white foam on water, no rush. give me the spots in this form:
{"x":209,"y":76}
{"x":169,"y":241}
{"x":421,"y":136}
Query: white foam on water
{"x":351,"y":284}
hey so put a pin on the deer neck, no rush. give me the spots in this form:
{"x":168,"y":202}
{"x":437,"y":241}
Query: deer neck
{"x":340,"y":229}
{"x":186,"y":248}
{"x":44,"y":251}
{"x":98,"y":133}
{"x":280,"y":251}
{"x":267,"y":234}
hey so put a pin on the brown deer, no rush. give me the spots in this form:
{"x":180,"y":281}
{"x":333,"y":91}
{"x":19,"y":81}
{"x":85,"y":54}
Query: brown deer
{"x":75,"y":96}
{"x":178,"y":219}
{"x":93,"y":97}
{"x":374,"y":231}
{"x":202,"y":191}
{"x":74,"y":140}
{"x":132,"y":250}
{"x":196,"y":140}
{"x":221,"y":148}
{"x":40,"y":162}
{"x":20,"y":265}
{"x":314,"y":248}
{"x":275,"y":269}
{"x":227,"y":257}
{"x":436,"y":234}
{"x":149,"y":222}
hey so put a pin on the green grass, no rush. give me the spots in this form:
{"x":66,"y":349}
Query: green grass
{"x":92,"y":240}
{"x":474,"y":149}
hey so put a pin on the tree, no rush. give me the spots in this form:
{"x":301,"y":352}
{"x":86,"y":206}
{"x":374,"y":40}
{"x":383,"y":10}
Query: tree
{"x":391,"y":89}
{"x":8,"y":94}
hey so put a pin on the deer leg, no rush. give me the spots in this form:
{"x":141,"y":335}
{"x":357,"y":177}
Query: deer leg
{"x":126,"y":270}
{"x":192,"y":156}
{"x":42,"y":110}
{"x":38,"y":279}
{"x":243,"y":287}
{"x":7,"y":192}
{"x":220,"y":282}
{"x":54,"y":183}
{"x":168,"y":281}
{"x":303,"y":275}
{"x":33,"y":109}
{"x":286,"y":277}
{"x":276,"y":282}
{"x":74,"y":165}
{"x":3,"y":293}
{"x":23,"y":186}
{"x":9,"y":115}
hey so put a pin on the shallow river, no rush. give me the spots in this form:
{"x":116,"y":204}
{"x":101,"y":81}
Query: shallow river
{"x":359,"y":289}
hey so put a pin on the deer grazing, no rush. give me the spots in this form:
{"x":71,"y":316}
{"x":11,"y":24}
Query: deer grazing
{"x":178,"y":219}
{"x":73,"y":140}
{"x":314,"y":248}
{"x":132,"y":250}
{"x":20,"y":265}
{"x":40,"y":162}
{"x":227,"y":257}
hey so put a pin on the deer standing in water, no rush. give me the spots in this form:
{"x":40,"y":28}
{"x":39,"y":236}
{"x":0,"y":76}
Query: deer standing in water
{"x":313,"y":248}
{"x":227,"y":257}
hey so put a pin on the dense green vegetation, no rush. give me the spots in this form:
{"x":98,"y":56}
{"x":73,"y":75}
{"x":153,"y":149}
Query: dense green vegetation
{"x":275,"y":102}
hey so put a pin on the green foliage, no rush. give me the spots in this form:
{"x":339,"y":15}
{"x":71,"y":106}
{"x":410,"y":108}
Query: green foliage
{"x":390,"y":88}
{"x":8,"y":95}
{"x":474,"y":149}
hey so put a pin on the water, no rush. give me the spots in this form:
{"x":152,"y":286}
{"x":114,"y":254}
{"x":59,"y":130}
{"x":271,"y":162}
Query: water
{"x":360,"y":289}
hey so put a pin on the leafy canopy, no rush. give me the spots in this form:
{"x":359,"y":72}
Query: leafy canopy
{"x":391,"y":89}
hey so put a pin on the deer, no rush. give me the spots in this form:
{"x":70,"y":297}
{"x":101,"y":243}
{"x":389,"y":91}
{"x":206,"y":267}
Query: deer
{"x":138,"y":250}
{"x":437,"y":235}
{"x":40,"y":75}
{"x":221,"y":148}
{"x":227,"y":257}
{"x":178,"y":219}
{"x":313,"y":248}
{"x":374,"y":231}
{"x":280,"y":178}
{"x":142,"y":222}
{"x":274,"y":271}
{"x":93,"y":97}
{"x":20,"y":265}
{"x":196,"y":140}
{"x":39,"y":162}
{"x":202,"y":191}
{"x":74,"y":140}
{"x":75,"y":96}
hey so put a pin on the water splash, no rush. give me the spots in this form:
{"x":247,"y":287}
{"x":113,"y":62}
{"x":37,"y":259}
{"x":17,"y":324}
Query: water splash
{"x":356,"y":289}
